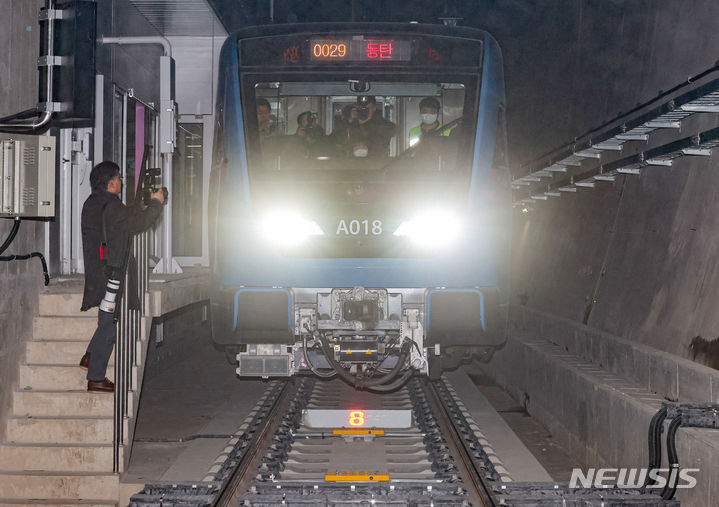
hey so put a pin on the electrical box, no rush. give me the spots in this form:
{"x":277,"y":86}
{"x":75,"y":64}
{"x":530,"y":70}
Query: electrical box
{"x":27,"y":169}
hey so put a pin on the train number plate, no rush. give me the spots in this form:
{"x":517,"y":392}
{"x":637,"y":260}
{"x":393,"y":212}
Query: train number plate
{"x":359,"y":227}
{"x":357,"y":418}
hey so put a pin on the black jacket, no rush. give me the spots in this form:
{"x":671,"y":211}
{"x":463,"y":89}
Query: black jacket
{"x":121,"y":222}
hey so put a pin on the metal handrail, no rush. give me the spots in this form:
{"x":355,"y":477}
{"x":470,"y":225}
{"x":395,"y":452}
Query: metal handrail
{"x":128,"y":335}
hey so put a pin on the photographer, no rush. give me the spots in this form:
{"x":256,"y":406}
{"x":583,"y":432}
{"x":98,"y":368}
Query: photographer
{"x":107,"y":226}
{"x":308,"y":128}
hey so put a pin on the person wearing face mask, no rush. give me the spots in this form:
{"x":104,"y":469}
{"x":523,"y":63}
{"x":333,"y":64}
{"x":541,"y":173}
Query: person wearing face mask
{"x":428,"y":110}
{"x":366,"y":122}
{"x":360,"y":150}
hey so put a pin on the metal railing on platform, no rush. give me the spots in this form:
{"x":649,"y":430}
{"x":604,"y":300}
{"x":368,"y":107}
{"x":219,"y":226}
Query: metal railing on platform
{"x":129,"y":334}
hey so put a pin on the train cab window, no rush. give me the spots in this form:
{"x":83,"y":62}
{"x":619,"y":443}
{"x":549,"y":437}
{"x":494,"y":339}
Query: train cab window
{"x":305,"y":126}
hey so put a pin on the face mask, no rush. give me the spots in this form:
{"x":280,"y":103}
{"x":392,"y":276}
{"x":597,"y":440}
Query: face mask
{"x":429,"y":118}
{"x":360,"y":152}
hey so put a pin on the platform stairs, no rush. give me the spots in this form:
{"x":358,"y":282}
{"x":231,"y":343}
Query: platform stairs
{"x":58,"y":448}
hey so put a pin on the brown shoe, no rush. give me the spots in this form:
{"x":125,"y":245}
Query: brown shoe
{"x":104,"y":386}
{"x":85,"y":361}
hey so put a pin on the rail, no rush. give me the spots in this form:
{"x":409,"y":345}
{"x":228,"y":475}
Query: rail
{"x":128,"y":335}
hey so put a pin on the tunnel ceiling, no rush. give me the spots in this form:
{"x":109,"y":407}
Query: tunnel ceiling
{"x":181,"y":17}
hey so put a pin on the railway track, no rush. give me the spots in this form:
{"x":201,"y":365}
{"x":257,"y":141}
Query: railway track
{"x":319,"y":442}
{"x":310,"y":463}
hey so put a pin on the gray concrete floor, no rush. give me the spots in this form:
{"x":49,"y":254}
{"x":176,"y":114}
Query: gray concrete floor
{"x":198,"y":394}
{"x":555,"y":459}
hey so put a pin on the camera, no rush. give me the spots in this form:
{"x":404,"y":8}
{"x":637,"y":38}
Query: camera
{"x":148,"y":185}
{"x":313,"y":129}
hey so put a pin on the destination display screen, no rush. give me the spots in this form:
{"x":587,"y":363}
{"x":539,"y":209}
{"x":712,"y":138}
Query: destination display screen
{"x":360,"y":50}
{"x":368,"y":50}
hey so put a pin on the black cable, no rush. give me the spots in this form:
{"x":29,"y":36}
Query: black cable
{"x":655,"y":442}
{"x":21,"y":115}
{"x":28,"y":256}
{"x":388,"y":377}
{"x":11,"y":236}
{"x":671,"y":486}
{"x":358,"y":382}
{"x":309,"y":363}
{"x":655,"y":447}
{"x":394,"y":385}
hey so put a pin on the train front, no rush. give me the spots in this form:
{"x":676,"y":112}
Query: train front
{"x":360,"y":200}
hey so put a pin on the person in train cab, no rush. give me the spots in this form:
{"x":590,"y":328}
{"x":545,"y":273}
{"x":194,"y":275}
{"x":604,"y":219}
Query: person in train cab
{"x":429,"y":110}
{"x":107,"y":225}
{"x":265,"y":123}
{"x":345,"y":124}
{"x":308,"y":129}
{"x":367,"y":122}
{"x":308,"y":141}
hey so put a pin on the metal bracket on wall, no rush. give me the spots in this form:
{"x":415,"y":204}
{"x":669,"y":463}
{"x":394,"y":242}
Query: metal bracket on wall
{"x":668,"y":115}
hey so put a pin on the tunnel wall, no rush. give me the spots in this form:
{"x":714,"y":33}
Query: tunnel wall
{"x":20,"y":281}
{"x":571,"y":65}
{"x":636,"y":258}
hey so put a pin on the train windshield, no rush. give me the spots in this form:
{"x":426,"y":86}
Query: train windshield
{"x":354,"y":126}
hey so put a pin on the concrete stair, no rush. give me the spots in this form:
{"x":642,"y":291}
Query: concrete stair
{"x":62,"y":404}
{"x":58,"y":439}
{"x":61,"y":430}
{"x":42,"y":377}
{"x":57,"y":457}
{"x":59,"y":488}
{"x":64,"y":304}
{"x":64,"y":328}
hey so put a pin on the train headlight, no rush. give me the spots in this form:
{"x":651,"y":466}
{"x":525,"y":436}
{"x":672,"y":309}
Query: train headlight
{"x":287,"y":228}
{"x":431,"y":229}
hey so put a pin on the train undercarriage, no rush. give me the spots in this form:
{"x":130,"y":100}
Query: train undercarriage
{"x":372,"y":338}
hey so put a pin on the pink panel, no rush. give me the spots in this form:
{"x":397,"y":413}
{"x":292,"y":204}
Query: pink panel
{"x":139,"y":140}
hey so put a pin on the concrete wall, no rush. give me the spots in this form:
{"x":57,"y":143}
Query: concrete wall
{"x":177,"y":336}
{"x":20,"y":281}
{"x":636,"y":258}
{"x":596,"y":393}
{"x":570,"y":65}
{"x":619,"y":282}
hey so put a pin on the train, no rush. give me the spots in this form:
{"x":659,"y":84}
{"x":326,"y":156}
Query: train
{"x":360,"y":206}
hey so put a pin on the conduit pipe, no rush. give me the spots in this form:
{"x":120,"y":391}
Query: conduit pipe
{"x":162,"y":41}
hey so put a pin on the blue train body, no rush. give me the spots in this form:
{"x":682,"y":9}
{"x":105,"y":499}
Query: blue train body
{"x":266,"y":303}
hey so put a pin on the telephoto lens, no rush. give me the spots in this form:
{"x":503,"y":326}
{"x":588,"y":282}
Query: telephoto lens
{"x":109,"y":301}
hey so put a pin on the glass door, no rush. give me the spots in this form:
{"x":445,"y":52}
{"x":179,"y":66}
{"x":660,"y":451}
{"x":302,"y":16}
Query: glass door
{"x":190,"y":181}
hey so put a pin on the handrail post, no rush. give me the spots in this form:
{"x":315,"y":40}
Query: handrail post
{"x":128,"y":333}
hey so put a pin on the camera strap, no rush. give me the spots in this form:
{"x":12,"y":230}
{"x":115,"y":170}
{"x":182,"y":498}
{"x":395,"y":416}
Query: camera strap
{"x":103,"y":240}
